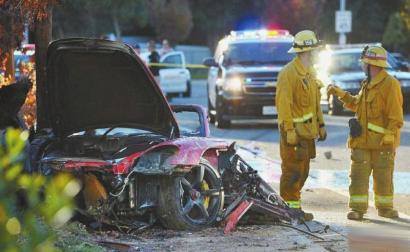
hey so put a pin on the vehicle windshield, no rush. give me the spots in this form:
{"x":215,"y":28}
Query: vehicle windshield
{"x":258,"y":53}
{"x":120,"y":131}
{"x":350,"y":62}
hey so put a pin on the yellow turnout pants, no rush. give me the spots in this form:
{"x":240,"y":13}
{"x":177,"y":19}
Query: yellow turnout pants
{"x":363,"y":163}
{"x":295,"y":169}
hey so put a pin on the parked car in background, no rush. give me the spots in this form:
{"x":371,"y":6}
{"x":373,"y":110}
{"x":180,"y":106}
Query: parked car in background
{"x":174,"y":76}
{"x":175,"y":79}
{"x":403,"y":63}
{"x":342,"y":67}
{"x":243,"y":74}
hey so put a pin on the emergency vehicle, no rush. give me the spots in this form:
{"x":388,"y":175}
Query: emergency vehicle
{"x":243,"y":74}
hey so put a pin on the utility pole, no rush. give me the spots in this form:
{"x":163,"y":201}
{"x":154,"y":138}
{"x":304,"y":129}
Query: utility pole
{"x":342,"y":35}
{"x":343,"y":22}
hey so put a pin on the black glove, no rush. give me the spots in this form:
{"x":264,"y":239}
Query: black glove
{"x":355,"y":128}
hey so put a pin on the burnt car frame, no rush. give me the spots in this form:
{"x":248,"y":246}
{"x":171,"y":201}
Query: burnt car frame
{"x":105,"y":120}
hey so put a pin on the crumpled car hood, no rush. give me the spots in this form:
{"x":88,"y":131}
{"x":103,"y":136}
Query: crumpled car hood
{"x":95,"y":83}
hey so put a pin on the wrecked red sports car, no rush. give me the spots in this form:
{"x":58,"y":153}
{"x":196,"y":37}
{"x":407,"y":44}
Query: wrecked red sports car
{"x":103,"y":118}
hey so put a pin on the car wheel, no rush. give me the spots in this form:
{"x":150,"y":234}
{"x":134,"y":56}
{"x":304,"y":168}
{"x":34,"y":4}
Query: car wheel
{"x":192,"y":200}
{"x":335,"y":106}
{"x":220,"y":121}
{"x":188,"y":91}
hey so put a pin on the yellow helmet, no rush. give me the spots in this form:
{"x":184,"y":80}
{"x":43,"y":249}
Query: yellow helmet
{"x":305,"y":41}
{"x":375,"y":55}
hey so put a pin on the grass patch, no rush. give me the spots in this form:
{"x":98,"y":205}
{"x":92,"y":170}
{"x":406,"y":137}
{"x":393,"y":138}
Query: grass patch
{"x":75,"y":237}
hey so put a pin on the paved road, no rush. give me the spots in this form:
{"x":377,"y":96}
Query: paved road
{"x":264,"y":135}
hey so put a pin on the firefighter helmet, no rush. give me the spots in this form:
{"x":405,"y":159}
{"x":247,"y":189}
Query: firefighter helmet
{"x":375,"y":55}
{"x":305,"y":41}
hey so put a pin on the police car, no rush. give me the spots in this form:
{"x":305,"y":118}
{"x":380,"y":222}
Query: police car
{"x":243,"y":74}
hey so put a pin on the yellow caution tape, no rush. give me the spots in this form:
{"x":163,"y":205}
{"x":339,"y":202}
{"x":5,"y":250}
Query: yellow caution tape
{"x":177,"y":65}
{"x":304,"y":118}
{"x":378,"y":129}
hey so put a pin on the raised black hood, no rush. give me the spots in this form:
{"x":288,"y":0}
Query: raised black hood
{"x":95,"y":83}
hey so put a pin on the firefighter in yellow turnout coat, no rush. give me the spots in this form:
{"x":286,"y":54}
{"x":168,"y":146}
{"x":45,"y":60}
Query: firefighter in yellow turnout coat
{"x":379,"y":117}
{"x":300,"y":118}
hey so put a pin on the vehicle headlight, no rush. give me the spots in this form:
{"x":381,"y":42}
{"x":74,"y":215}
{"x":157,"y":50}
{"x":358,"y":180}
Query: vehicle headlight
{"x":348,"y":84}
{"x":156,"y":161}
{"x":405,"y":83}
{"x":233,"y":84}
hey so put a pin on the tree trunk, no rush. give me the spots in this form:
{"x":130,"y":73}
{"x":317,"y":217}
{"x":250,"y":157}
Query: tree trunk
{"x":43,"y":30}
{"x":10,"y":68}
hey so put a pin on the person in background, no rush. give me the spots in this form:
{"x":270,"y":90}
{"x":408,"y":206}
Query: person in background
{"x":137,"y":49}
{"x":153,"y":58}
{"x":166,"y":47}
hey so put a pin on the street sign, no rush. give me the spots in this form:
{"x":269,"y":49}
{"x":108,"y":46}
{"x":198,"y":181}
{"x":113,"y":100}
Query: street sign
{"x":343,"y":22}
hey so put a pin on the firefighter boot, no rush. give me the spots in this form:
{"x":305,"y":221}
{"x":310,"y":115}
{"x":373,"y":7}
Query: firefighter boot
{"x":354,"y":215}
{"x":388,"y":213}
{"x":302,"y":214}
{"x":307,"y":216}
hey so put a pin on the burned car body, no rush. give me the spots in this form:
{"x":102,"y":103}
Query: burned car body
{"x":106,"y":121}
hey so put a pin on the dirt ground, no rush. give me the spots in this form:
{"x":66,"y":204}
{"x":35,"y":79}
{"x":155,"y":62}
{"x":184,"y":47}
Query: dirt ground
{"x":335,"y":233}
{"x":246,"y":238}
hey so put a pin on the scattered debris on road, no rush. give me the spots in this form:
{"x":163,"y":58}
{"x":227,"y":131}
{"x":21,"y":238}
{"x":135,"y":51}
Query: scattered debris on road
{"x":247,"y":191}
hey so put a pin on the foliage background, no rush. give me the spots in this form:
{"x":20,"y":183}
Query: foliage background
{"x":31,"y":206}
{"x":206,"y":21}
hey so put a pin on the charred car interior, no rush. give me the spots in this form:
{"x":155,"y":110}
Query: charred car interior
{"x":105,"y":120}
